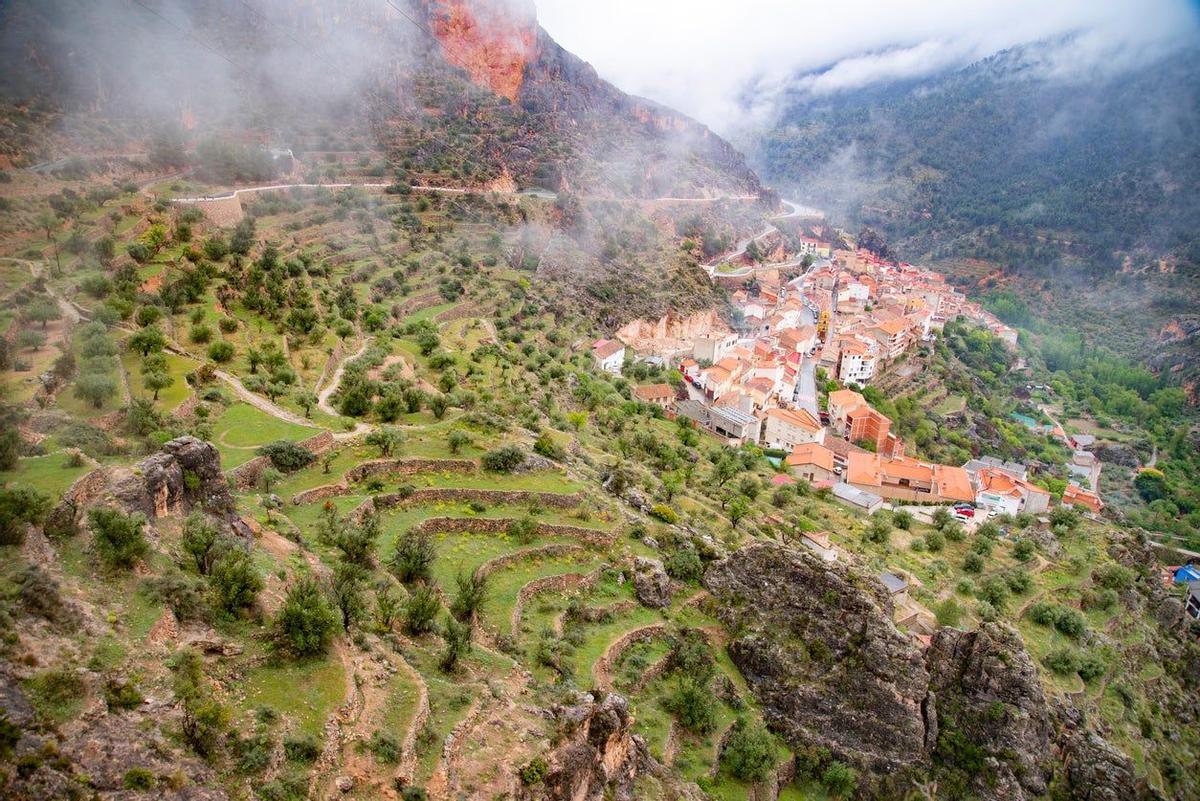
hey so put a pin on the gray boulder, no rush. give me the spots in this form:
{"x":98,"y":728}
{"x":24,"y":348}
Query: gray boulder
{"x":651,"y":583}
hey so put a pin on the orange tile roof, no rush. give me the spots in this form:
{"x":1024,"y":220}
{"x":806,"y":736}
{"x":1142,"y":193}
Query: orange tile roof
{"x":811,"y":453}
{"x":906,"y":468}
{"x":845,"y":397}
{"x":796,"y":417}
{"x":863,"y":468}
{"x":952,"y":482}
{"x":893,"y":327}
{"x":607,"y":347}
{"x":650,"y":392}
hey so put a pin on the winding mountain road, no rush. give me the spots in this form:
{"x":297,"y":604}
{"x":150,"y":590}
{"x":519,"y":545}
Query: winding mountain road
{"x":794,"y":210}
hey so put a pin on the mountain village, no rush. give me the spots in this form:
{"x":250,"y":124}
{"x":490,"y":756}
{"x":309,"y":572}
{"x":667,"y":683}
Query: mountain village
{"x":850,"y":316}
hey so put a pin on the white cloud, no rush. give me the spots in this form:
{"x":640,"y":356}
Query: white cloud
{"x":724,"y":62}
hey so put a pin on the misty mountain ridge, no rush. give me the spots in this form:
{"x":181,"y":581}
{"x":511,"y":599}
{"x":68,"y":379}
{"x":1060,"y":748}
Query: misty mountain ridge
{"x":1009,"y":158}
{"x":478,"y":86}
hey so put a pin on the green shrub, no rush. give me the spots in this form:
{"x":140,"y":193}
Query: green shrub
{"x":287,"y":456}
{"x":948,"y":612}
{"x":684,"y":564}
{"x":20,"y":507}
{"x":1063,"y":661}
{"x":421,"y":609}
{"x":305,"y":622}
{"x":693,"y":705}
{"x":221,"y":351}
{"x":139,"y":779}
{"x":1070,"y":622}
{"x":839,"y":780}
{"x":412,"y":560}
{"x":1024,"y":550}
{"x":470,"y":596}
{"x":1091,"y":666}
{"x":534,"y":772}
{"x":118,"y":537}
{"x":385,"y":747}
{"x":524,"y":530}
{"x":546,"y":446}
{"x":973,"y":563}
{"x":750,"y":752}
{"x":1043,"y":613}
{"x":664,"y":513}
{"x":121,"y":693}
{"x":200,"y":333}
{"x":234,"y":580}
{"x":252,"y":753}
{"x":301,"y":747}
{"x":503,"y":460}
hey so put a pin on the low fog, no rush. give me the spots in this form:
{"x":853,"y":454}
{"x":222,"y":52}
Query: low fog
{"x":726,"y":63}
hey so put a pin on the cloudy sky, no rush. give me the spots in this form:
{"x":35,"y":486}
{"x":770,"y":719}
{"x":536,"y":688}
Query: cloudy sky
{"x":723,"y":62}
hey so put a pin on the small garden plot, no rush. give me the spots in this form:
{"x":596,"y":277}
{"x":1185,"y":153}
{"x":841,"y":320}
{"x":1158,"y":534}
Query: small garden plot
{"x":242,"y":428}
{"x":51,"y":474}
{"x":504,"y":585}
{"x":303,"y":692}
{"x":177,"y":369}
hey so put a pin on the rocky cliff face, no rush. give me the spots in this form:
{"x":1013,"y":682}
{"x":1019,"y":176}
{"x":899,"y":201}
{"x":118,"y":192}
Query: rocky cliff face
{"x":817,"y":645}
{"x":602,"y":759}
{"x":989,"y":697}
{"x":622,"y":145}
{"x":818,"y":648}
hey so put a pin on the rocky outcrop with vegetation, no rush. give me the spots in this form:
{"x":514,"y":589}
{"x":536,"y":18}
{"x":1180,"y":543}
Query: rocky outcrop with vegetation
{"x":818,"y":647}
{"x":991,"y":711}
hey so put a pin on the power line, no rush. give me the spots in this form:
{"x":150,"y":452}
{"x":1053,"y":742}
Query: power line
{"x":189,"y":34}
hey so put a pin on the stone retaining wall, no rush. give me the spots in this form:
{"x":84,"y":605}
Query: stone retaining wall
{"x":378,"y":467}
{"x":613,"y":653}
{"x":500,"y":562}
{"x":319,"y":444}
{"x":415,"y":304}
{"x":457,"y":313}
{"x":560,"y":583}
{"x":409,"y":466}
{"x":246,"y":476}
{"x":494,"y":525}
{"x":426,"y":495}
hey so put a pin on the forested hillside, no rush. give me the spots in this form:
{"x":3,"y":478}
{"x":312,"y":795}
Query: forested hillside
{"x":1001,"y":162}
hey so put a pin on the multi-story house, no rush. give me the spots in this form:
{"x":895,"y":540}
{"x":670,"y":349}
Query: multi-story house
{"x":787,"y":428}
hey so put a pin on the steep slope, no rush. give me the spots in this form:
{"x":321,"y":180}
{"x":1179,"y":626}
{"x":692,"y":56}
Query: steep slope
{"x":1005,"y":159}
{"x":476,"y":88}
{"x":621,"y":144}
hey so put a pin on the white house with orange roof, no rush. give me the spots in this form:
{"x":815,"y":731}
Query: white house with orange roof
{"x":856,"y":363}
{"x":787,"y":428}
{"x":812,"y":462}
{"x":893,"y":336}
{"x":609,"y":355}
{"x":1007,"y":494}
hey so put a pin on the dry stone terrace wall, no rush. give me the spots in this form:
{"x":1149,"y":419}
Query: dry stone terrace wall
{"x":460,"y":312}
{"x":405,"y":467}
{"x":429,"y":495}
{"x":559,"y":583}
{"x":415,"y":304}
{"x":516,"y":557}
{"x":379,"y":467}
{"x":494,"y":525}
{"x":245,"y":476}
